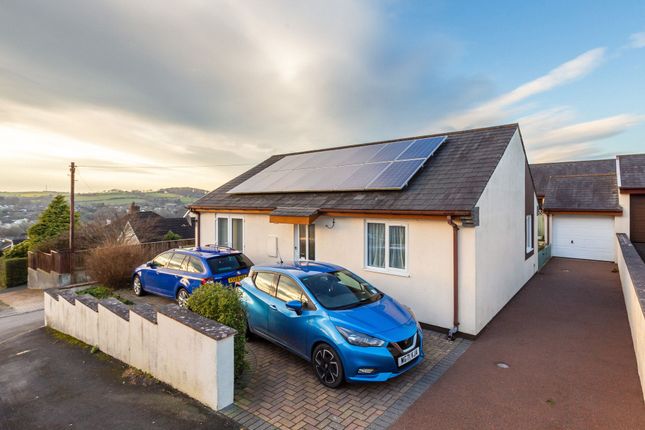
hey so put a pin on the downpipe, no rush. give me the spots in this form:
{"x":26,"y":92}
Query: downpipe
{"x":452,"y":333}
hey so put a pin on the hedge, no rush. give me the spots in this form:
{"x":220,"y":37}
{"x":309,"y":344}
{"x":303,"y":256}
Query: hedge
{"x":15,"y":272}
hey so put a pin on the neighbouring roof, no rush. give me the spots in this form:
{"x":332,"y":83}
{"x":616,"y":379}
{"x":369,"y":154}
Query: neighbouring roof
{"x":632,"y":171}
{"x":151,"y":227}
{"x":582,"y":193}
{"x":452,"y":181}
{"x":543,"y":171}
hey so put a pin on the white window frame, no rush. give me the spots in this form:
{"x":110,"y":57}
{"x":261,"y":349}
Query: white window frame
{"x":296,"y":242}
{"x":229,"y":238}
{"x":387,"y":269}
{"x":528,"y":232}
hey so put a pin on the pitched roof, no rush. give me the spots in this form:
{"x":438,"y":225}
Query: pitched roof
{"x":543,"y":171}
{"x":451,"y":181}
{"x":632,"y":171}
{"x":152,"y":227}
{"x":588,"y":193}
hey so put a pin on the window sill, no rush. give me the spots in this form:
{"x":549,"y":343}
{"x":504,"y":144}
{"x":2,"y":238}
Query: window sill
{"x":395,"y":272}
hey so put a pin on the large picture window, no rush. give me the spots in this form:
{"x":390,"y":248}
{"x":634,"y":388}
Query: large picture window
{"x":386,"y":246}
{"x":230,"y":232}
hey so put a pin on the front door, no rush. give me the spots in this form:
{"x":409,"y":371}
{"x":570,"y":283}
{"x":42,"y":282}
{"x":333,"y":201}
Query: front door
{"x":305,"y":242}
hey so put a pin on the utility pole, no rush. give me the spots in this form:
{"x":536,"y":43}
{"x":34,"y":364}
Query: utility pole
{"x":72,"y":171}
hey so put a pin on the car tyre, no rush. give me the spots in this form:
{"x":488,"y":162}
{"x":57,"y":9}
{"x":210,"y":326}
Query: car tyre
{"x":137,"y":286}
{"x":327,"y":365}
{"x":182,"y":298}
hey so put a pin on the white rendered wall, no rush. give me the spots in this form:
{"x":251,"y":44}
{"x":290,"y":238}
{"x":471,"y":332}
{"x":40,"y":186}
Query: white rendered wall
{"x":501,"y":265}
{"x":621,"y":223}
{"x":172,"y":351}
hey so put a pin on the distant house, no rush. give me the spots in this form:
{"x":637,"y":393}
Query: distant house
{"x":444,"y":223}
{"x":585,"y":203}
{"x":147,"y":226}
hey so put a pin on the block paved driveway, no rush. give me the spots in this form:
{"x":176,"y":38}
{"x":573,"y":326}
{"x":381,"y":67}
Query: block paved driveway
{"x":281,"y":391}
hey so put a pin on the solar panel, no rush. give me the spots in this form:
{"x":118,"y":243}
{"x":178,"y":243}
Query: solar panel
{"x":382,"y":166}
{"x":396,"y":175}
{"x":422,"y":148}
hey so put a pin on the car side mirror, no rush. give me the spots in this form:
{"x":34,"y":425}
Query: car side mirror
{"x":151,"y":264}
{"x":295,"y":305}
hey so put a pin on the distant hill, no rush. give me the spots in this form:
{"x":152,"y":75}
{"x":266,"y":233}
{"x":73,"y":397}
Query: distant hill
{"x":20,"y":209}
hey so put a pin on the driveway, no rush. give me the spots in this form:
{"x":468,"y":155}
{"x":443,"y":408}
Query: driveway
{"x":21,"y":310}
{"x":567,"y":341}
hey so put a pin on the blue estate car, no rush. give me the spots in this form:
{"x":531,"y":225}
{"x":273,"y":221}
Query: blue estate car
{"x":331,"y":317}
{"x":178,"y":272}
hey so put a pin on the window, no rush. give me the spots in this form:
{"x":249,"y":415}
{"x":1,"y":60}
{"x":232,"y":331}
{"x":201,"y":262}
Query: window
{"x":529,"y":233}
{"x":265,"y":281}
{"x":176,"y":261}
{"x":230,"y":232}
{"x":386,"y":246}
{"x":288,"y":290}
{"x":228,"y":263}
{"x":162,"y":259}
{"x":194,"y":265}
{"x":305,"y":240}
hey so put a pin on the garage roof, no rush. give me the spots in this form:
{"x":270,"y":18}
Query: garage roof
{"x":543,"y":171}
{"x":582,"y":193}
{"x":632,"y":171}
{"x":451,"y":181}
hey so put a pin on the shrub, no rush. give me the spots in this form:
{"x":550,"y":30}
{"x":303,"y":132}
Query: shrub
{"x":18,"y":251}
{"x":223,"y":305}
{"x":15,"y":271}
{"x":112,"y":266}
{"x":171,"y":235}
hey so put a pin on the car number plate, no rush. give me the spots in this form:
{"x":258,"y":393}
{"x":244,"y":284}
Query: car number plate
{"x":409,"y":356}
{"x":236,"y":279}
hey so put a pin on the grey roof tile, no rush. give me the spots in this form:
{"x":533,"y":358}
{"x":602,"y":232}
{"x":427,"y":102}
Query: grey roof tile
{"x":452,"y":180}
{"x":596,"y":192}
{"x":543,"y":171}
{"x":632,"y":171}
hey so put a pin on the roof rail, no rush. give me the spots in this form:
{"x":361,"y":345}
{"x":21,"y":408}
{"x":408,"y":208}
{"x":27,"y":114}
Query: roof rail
{"x":216,"y":248}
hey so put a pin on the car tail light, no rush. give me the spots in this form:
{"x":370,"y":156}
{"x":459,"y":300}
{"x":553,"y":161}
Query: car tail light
{"x":206,"y":280}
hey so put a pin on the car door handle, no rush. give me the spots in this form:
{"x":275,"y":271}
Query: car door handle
{"x":274,"y":307}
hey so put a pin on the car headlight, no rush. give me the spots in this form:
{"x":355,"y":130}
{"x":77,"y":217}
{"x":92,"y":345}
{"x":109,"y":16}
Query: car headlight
{"x":359,"y":339}
{"x":409,"y":309}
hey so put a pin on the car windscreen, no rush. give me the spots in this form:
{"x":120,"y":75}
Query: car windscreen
{"x":341,"y":289}
{"x":228,"y":263}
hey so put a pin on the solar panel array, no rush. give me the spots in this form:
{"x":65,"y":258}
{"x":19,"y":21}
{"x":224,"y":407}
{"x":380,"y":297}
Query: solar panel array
{"x":383,"y":166}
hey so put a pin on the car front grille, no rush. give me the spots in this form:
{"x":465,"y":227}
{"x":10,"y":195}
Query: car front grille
{"x":397,"y":348}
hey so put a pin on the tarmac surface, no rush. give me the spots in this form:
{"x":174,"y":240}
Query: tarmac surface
{"x":567,"y":342}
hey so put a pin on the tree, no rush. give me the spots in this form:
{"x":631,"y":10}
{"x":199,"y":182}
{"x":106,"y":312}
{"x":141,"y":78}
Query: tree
{"x":171,"y":235}
{"x":52,"y":223}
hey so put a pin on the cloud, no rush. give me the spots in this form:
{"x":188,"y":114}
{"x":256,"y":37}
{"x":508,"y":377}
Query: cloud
{"x":503,"y":106}
{"x":637,"y":40}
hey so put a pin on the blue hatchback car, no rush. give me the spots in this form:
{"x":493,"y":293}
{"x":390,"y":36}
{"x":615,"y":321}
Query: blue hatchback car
{"x":346,"y":328}
{"x":178,"y":272}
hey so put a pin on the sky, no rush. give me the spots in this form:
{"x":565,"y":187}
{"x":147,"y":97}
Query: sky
{"x":149,"y":94}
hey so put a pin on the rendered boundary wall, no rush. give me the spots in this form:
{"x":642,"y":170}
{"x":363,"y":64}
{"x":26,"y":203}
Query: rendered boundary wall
{"x":632,"y":278}
{"x":191,"y":353}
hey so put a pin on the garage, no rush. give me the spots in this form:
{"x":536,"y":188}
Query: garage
{"x":589,"y":237}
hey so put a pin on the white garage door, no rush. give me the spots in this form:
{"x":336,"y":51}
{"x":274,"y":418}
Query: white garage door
{"x":590,"y":237}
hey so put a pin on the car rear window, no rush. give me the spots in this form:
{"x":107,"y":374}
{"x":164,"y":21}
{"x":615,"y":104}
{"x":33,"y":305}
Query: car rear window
{"x":228,"y":263}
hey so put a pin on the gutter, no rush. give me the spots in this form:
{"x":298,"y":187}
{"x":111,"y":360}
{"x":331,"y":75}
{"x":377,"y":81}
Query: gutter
{"x":455,"y":278}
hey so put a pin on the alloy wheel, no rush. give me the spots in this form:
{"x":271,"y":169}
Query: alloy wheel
{"x":182,"y":298}
{"x":136,"y":286}
{"x":326,"y":365}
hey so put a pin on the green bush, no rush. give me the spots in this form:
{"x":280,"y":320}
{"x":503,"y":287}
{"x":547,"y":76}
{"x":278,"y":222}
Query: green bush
{"x":15,"y":271}
{"x":171,"y":235}
{"x":223,"y":305}
{"x":18,"y":251}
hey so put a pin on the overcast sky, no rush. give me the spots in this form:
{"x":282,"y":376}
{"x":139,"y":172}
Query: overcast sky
{"x":149,"y":94}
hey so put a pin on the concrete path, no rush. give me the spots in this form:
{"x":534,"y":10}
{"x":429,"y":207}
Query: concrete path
{"x":21,"y":310}
{"x":567,"y":341}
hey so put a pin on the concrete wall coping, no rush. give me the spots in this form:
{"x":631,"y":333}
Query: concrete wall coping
{"x":635,"y":267}
{"x":203,"y":325}
{"x":52,"y":292}
{"x":89,"y":301}
{"x":68,"y":295}
{"x":145,"y":311}
{"x":116,"y":307}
